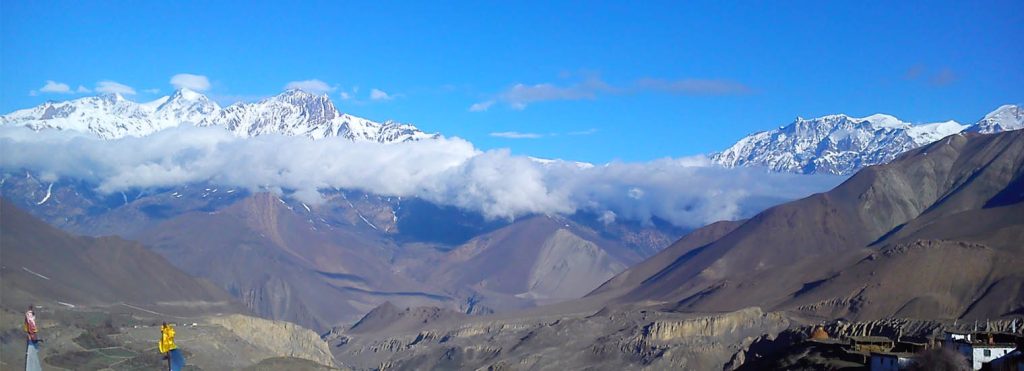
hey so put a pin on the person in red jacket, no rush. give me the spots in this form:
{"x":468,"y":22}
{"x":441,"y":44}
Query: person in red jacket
{"x":30,"y":325}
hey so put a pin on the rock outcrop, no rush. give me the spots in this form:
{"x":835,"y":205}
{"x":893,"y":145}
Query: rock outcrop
{"x":279,"y":338}
{"x":613,"y":340}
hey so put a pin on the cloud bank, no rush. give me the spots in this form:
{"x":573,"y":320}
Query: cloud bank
{"x":55,"y":87}
{"x":114,"y":87}
{"x":450,"y":171}
{"x":190,"y":81}
{"x":379,"y":95}
{"x":312,"y":86}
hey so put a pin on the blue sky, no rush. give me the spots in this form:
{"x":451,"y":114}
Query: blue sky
{"x":585,"y":81}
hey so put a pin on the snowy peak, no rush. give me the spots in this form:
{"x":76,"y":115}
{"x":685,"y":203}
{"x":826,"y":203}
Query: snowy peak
{"x":184,"y":106}
{"x":841,"y":145}
{"x":293,"y":112}
{"x":1005,"y":118}
{"x":186,"y":94}
{"x":927,"y":133}
{"x":184,"y":98}
{"x":833,"y":144}
{"x":880,"y":120}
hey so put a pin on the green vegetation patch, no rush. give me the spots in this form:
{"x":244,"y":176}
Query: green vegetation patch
{"x":81,"y":360}
{"x":152,"y":361}
{"x":117,"y":352}
{"x":287,"y":364}
{"x":94,"y":340}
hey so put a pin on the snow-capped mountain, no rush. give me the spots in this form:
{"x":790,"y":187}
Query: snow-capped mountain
{"x":183,"y":107}
{"x":1005,"y":118}
{"x":107,"y":116}
{"x":841,"y":145}
{"x":293,"y":112}
{"x":296,"y":112}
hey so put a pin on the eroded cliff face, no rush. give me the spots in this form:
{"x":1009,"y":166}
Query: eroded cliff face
{"x":277,"y":338}
{"x":773,"y":350}
{"x":900,"y":327}
{"x":619,"y":340}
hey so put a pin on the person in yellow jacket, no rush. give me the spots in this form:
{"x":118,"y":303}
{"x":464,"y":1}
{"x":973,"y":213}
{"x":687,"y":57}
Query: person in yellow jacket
{"x":175,"y":359}
{"x":166,"y":343}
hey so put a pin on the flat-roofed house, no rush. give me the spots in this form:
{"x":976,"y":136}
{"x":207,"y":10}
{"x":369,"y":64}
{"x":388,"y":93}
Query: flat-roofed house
{"x":886,"y":361}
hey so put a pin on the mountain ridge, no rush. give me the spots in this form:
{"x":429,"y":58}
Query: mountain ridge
{"x":45,"y":264}
{"x":293,"y":112}
{"x":839,"y":144}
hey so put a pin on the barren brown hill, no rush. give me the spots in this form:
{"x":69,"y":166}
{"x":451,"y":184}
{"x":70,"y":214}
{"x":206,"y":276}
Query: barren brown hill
{"x":285,"y":266}
{"x":327,"y":265}
{"x":542,"y":258}
{"x":387,"y":318}
{"x":44,"y":265}
{"x":676,"y":253}
{"x":936,"y":233}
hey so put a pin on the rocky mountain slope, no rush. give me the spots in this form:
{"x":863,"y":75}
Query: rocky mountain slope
{"x":310,"y":272}
{"x":83,"y":338}
{"x":840,"y":144}
{"x":293,"y":112}
{"x":320,"y":272}
{"x":44,"y":265}
{"x":99,"y":303}
{"x":607,"y":341}
{"x":541,"y":258}
{"x":934,"y":234}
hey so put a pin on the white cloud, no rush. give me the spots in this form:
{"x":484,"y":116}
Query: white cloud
{"x":607,"y":217}
{"x":151,"y":91}
{"x":313,"y":86}
{"x":685,"y":191}
{"x":55,"y":87}
{"x":590,"y":131}
{"x":519,"y":96}
{"x":113,"y":87}
{"x":190,"y":81}
{"x":482,"y":106}
{"x":942,"y":77}
{"x":516,"y":135}
{"x":82,"y":89}
{"x":345,"y":95}
{"x":379,"y":95}
{"x":693,"y":86}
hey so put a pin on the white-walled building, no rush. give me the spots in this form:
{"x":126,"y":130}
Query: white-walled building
{"x":977,"y":352}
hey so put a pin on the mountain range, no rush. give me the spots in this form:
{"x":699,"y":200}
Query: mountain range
{"x":927,"y":242}
{"x":293,"y":112}
{"x":841,"y":145}
{"x":931,"y":232}
{"x":833,"y":144}
{"x":362,"y":248}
